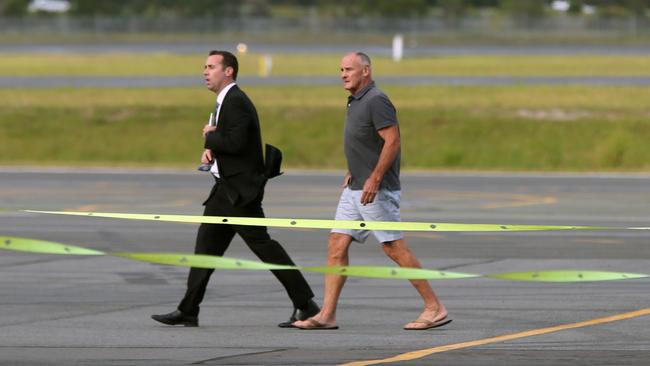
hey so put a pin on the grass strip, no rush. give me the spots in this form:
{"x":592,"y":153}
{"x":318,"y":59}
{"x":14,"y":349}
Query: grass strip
{"x":166,"y":64}
{"x":547,"y":128}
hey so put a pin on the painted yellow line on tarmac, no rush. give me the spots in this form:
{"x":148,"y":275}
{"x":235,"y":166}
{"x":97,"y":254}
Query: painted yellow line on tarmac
{"x":89,"y":207}
{"x":496,"y":200}
{"x":508,"y":337}
{"x":521,"y":200}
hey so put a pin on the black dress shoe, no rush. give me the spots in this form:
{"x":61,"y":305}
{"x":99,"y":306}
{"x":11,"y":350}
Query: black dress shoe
{"x":303,"y":313}
{"x":177,"y":318}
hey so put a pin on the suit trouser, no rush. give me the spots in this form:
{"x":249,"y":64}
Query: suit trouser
{"x":214,"y":239}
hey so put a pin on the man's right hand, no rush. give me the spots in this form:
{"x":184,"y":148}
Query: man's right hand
{"x":206,"y":157}
{"x":207,"y":129}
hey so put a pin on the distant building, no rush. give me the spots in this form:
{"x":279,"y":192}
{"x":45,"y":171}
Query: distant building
{"x":49,"y":6}
{"x":560,"y":5}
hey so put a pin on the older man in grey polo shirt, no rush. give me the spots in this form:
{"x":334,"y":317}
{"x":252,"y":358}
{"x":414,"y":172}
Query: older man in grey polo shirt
{"x":371,"y":192}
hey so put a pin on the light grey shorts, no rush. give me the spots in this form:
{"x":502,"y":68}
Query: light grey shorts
{"x":385,"y":207}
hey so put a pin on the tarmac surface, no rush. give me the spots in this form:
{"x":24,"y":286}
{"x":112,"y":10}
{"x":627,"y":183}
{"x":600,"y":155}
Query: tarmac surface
{"x":44,"y":82}
{"x":78,"y":310}
{"x":189,"y":47}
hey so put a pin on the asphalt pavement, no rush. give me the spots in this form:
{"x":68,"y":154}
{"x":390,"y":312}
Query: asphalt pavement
{"x":45,"y":82}
{"x":410,"y":49}
{"x":83,"y":310}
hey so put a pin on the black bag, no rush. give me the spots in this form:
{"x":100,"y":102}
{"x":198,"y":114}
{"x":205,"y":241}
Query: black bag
{"x":272,"y":161}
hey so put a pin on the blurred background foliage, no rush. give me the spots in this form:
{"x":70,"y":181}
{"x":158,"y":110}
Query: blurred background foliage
{"x":332,"y":21}
{"x":557,"y":124}
{"x":367,"y":8}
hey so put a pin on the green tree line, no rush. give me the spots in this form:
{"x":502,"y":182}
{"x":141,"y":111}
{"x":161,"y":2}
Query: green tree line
{"x":383,"y":8}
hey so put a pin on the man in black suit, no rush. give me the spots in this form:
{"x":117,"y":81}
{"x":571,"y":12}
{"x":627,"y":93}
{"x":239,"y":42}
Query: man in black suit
{"x":233,"y":148}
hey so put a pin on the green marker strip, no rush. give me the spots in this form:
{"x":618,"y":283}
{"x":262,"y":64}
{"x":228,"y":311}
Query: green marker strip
{"x":389,"y":272}
{"x":202,"y":261}
{"x":41,"y":246}
{"x":565,"y":276}
{"x":323,"y":224}
{"x":206,"y":261}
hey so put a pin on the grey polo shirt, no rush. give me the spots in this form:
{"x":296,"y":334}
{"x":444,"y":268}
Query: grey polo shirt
{"x":369,"y":110}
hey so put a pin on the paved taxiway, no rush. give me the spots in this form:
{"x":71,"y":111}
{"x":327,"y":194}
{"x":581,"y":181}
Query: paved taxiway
{"x":64,"y":310}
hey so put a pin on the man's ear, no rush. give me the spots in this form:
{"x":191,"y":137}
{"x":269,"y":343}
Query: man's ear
{"x":366,"y":70}
{"x":229,"y":71}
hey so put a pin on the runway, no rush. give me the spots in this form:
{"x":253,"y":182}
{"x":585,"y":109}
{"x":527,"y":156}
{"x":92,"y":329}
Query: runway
{"x":192,"y":81}
{"x":64,"y":310}
{"x":385,"y":49}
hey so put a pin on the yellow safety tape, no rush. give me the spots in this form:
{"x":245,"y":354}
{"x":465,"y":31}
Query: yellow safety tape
{"x":324,"y":224}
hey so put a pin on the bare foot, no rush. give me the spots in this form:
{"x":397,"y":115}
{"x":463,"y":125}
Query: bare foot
{"x":317,"y":321}
{"x":429,"y":319}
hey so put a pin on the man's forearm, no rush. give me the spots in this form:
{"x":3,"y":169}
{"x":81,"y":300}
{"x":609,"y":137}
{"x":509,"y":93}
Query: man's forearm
{"x":388,"y":154}
{"x":386,"y":159}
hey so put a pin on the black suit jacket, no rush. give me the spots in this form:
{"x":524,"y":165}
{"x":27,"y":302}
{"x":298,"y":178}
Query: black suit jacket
{"x":236,"y":144}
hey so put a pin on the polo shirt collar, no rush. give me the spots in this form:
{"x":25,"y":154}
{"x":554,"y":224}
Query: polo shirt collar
{"x":363,"y":91}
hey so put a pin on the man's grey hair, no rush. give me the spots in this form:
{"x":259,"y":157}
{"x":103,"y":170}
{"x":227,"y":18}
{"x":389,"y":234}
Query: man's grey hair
{"x":363,"y":58}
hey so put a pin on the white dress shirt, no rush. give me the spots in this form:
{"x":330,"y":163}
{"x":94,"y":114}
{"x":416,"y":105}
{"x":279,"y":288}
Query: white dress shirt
{"x":222,"y":94}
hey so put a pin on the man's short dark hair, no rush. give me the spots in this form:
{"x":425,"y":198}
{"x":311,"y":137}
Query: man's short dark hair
{"x":229,"y":60}
{"x":363,"y":58}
